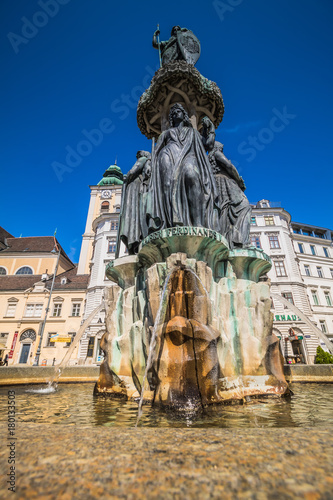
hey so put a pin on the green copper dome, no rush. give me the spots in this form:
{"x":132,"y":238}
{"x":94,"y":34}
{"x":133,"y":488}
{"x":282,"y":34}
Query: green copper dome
{"x":112,"y":176}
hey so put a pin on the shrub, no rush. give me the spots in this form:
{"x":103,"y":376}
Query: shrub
{"x":323,"y":357}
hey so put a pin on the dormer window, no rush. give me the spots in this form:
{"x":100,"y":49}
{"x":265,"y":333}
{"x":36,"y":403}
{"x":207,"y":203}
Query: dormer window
{"x":63,"y":281}
{"x":263,"y":204}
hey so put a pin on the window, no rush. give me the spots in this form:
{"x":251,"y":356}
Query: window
{"x":269,"y":220}
{"x":4,"y":337}
{"x":326,"y":252}
{"x":24,"y":270}
{"x":315,"y":297}
{"x":118,"y":210}
{"x":328,"y":298}
{"x":320,"y":272}
{"x":76,"y":309}
{"x":313,"y":249}
{"x":91,"y":344}
{"x":288,"y":296}
{"x":3,"y":271}
{"x":331,"y":270}
{"x":255,"y":241}
{"x":323,"y":327}
{"x":72,"y":335}
{"x":264,"y":205}
{"x":48,"y":341}
{"x":274,"y":241}
{"x":307,"y":270}
{"x":114,"y":226}
{"x":57,"y":310}
{"x":105,"y":205}
{"x":300,"y":248}
{"x":112,"y":246}
{"x":279,"y":268}
{"x":253,"y":221}
{"x":33,"y":310}
{"x":11,"y":309}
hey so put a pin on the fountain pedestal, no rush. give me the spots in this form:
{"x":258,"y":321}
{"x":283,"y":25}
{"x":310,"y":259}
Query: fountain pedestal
{"x":208,"y":312}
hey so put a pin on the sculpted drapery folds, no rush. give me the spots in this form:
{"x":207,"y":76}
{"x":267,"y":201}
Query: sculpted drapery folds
{"x":235,"y":215}
{"x":132,"y":221}
{"x":182,"y":185}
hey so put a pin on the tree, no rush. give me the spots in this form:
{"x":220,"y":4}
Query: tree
{"x":323,"y":357}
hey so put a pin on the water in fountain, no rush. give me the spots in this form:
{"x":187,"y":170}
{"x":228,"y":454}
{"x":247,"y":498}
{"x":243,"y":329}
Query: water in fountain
{"x":53,"y":382}
{"x":152,"y":346}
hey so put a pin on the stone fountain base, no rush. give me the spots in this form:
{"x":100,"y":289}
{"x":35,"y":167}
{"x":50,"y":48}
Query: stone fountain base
{"x":209,"y":316}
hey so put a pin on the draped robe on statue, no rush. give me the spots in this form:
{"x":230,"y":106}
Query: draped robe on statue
{"x":183,"y":189}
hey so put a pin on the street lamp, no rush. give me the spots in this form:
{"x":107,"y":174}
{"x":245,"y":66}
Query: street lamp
{"x":55,"y":249}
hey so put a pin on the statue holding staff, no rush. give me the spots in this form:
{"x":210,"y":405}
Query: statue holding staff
{"x":183,"y":45}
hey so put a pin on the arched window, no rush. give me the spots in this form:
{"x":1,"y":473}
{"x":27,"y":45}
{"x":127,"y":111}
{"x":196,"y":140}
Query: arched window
{"x":28,"y":335}
{"x":117,"y":209}
{"x":24,"y":270}
{"x":3,"y":271}
{"x":105,"y":206}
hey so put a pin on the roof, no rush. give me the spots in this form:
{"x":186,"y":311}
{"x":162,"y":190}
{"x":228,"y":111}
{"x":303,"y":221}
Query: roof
{"x":4,"y":235}
{"x":74,"y":281}
{"x":23,"y":282}
{"x":33,"y":244}
{"x":112,"y":176}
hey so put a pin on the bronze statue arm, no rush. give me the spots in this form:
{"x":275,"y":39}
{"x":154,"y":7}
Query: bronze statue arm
{"x":223,"y":161}
{"x":136,"y":170}
{"x":155,"y":42}
{"x":208,"y":134}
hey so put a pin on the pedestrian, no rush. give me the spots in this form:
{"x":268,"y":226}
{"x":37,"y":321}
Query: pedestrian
{"x":5,"y":361}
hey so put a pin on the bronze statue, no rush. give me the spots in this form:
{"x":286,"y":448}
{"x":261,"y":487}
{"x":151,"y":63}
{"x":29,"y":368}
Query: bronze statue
{"x":134,"y":199}
{"x":235,"y":215}
{"x":183,"y":45}
{"x":182,"y":184}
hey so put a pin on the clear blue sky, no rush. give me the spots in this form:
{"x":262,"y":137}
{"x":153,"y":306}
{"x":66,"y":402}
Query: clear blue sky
{"x":86,"y":61}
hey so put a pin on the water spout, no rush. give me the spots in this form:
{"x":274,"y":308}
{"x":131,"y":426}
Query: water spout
{"x":153,"y":341}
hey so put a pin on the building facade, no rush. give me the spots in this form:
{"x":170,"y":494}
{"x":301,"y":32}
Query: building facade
{"x":301,"y":274}
{"x":27,"y":266}
{"x":98,"y":248}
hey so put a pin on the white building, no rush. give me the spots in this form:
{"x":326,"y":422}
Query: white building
{"x":98,"y":248}
{"x":302,"y":273}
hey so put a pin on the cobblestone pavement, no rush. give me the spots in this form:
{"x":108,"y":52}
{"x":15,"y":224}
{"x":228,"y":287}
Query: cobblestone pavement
{"x":72,"y":462}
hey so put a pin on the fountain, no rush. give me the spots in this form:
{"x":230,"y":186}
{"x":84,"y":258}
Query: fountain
{"x":188,"y":314}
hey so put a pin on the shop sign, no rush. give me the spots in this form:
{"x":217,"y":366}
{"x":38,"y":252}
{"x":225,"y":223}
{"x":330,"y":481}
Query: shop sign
{"x":11,"y":352}
{"x":283,"y":317}
{"x":296,"y":337}
{"x":62,"y":339}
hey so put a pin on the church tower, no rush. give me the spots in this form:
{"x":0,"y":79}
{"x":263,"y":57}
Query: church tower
{"x":98,"y":248}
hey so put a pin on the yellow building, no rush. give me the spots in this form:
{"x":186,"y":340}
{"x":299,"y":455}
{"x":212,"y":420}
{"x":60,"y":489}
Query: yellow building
{"x":27,"y":266}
